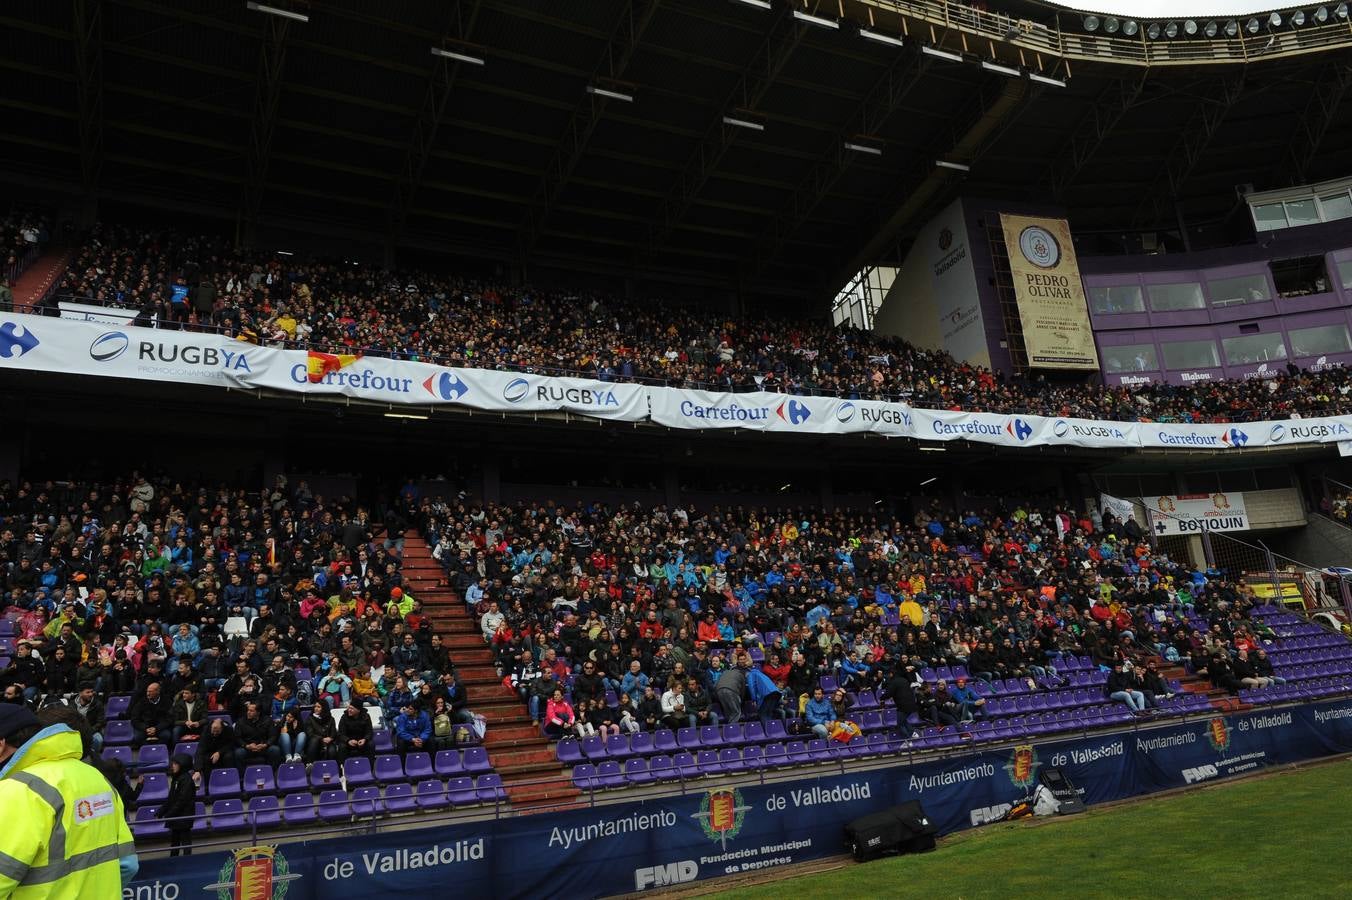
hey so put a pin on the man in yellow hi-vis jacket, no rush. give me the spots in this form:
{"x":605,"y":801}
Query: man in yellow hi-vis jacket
{"x":64,"y":834}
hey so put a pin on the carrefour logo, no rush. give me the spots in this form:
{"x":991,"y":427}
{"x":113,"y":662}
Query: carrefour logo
{"x":1020,"y":429}
{"x":1277,"y":434}
{"x":16,"y":340}
{"x":1060,"y":428}
{"x":1234,"y":438}
{"x":109,"y":346}
{"x":447,"y":386}
{"x":516,"y":390}
{"x":794,"y":412}
{"x":845,"y":412}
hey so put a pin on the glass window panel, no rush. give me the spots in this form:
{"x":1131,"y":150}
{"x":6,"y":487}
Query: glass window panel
{"x":1130,"y":358}
{"x":1319,"y":340}
{"x":1301,"y":212}
{"x":1240,"y":289}
{"x":1345,"y":273}
{"x":1254,"y":348}
{"x":1170,"y":297}
{"x":1336,"y":206}
{"x":1269,"y":216}
{"x":1190,"y":354}
{"x":1125,"y":298}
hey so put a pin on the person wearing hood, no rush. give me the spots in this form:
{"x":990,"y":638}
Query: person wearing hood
{"x":46,"y":791}
{"x":180,"y":806}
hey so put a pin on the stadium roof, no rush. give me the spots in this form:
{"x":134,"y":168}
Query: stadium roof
{"x":348,"y":124}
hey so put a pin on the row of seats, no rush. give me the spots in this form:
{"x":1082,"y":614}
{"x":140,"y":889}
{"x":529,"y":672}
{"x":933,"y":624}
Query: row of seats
{"x":231,"y":814}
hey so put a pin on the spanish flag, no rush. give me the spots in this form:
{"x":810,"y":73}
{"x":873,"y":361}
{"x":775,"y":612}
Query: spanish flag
{"x":321,"y":364}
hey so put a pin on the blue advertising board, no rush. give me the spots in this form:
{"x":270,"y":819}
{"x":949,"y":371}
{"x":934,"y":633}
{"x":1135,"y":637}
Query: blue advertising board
{"x":721,"y":830}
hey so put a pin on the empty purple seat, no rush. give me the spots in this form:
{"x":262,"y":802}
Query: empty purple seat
{"x":145,"y":825}
{"x":584,"y":777}
{"x":187,"y":747}
{"x":753,"y":733}
{"x":264,"y":812}
{"x":117,"y":707}
{"x":324,"y":775}
{"x":382,"y":741}
{"x":121,"y":754}
{"x":568,"y":751}
{"x":431,"y":794}
{"x":608,"y":775}
{"x":661,"y":768}
{"x":707,"y":762}
{"x":820,"y":749}
{"x":258,"y":780}
{"x":733,"y":734}
{"x":389,"y":768}
{"x":775,"y":730}
{"x":488,"y":789}
{"x":594,"y":748}
{"x":154,"y":789}
{"x":299,"y":809}
{"x":688,"y":738}
{"x":641,"y":744}
{"x":418,"y":765}
{"x":774,"y":756}
{"x":636,"y":771}
{"x":447,"y":763}
{"x":829,"y":683}
{"x":223,"y":783}
{"x":357,"y":771}
{"x":797,"y":753}
{"x":476,"y":760}
{"x":292,"y":777}
{"x":334,"y":807}
{"x":399,"y":798}
{"x":366,"y":803}
{"x":709,"y":736}
{"x":731,"y":759}
{"x":866,"y":700}
{"x":117,"y":732}
{"x":664,"y":741}
{"x":684,"y":763}
{"x":617,"y":747}
{"x":226,"y":815}
{"x":752,"y":758}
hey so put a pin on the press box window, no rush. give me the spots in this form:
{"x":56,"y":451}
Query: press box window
{"x":1269,"y":217}
{"x":1300,"y":276}
{"x":1130,"y":358}
{"x":1116,"y":299}
{"x":1345,"y":274}
{"x":1320,"y":340}
{"x":1237,"y":290}
{"x":1254,"y":348}
{"x":1173,"y":297}
{"x":1190,"y":355}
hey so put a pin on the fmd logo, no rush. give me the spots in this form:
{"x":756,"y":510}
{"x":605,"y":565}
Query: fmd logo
{"x":516,"y":390}
{"x":1020,"y":429}
{"x":845,"y":412}
{"x":794,"y":412}
{"x":447,"y":386}
{"x":109,"y":346}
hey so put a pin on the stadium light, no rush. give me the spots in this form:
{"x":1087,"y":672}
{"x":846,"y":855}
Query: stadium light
{"x":458,"y":57}
{"x":404,"y":416}
{"x":864,"y":148}
{"x":1321,"y":15}
{"x":1171,"y":30}
{"x":929,"y":480}
{"x":612,"y":95}
{"x":1340,"y":11}
{"x":762,"y":4}
{"x":277,"y":11}
{"x":1111,"y":24}
{"x":1275,"y":20}
{"x":815,"y":20}
{"x":1298,"y":18}
{"x":881,"y":38}
{"x":1251,"y":26}
{"x":1190,"y":27}
{"x":1003,"y":70}
{"x":956,"y":167}
{"x":1091,"y":23}
{"x":941,"y":54}
{"x":1153,"y":32}
{"x":743,"y":123}
{"x":1130,"y":27}
{"x":1046,"y":79}
{"x":1211,"y":29}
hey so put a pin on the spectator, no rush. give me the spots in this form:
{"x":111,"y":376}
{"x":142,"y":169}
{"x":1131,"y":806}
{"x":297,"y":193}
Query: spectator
{"x":257,"y":738}
{"x":217,"y":748}
{"x":180,"y":807}
{"x":559,"y":716}
{"x":412,"y":729}
{"x":820,"y":713}
{"x":356,"y":737}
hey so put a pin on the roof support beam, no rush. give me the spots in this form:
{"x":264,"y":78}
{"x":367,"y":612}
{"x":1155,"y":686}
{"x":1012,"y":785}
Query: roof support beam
{"x":425,"y":127}
{"x":632,"y":22}
{"x":760,"y":73}
{"x":88,"y":25}
{"x":1314,"y":122}
{"x":267,"y":94}
{"x":1094,"y":129}
{"x":873,"y":111}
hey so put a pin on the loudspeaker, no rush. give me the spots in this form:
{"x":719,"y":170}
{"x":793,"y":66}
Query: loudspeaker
{"x":901,"y":829}
{"x":1063,"y":789}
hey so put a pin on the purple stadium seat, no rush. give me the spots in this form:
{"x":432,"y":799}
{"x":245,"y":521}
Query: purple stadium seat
{"x":226,"y":815}
{"x":594,"y":748}
{"x":617,"y":747}
{"x":431,"y":794}
{"x":145,"y":825}
{"x":709,"y":736}
{"x":382,"y":741}
{"x":292,"y":777}
{"x":608,"y":775}
{"x":641,"y":744}
{"x":366,"y":802}
{"x":324,"y":775}
{"x":688,"y":738}
{"x":154,"y":789}
{"x":636,"y":771}
{"x":753,"y":758}
{"x":223,"y":784}
{"x":447,"y":763}
{"x":117,"y":706}
{"x":476,"y":760}
{"x":568,"y":751}
{"x":188,"y":747}
{"x":775,"y":756}
{"x":299,"y":809}
{"x":707,"y":762}
{"x":357,"y":770}
{"x":333,"y":806}
{"x":797,"y":753}
{"x":389,"y":768}
{"x":730,"y":758}
{"x":121,"y":754}
{"x":733,"y":734}
{"x":489,"y":789}
{"x":684,"y":763}
{"x":399,"y":798}
{"x":418,"y":766}
{"x":775,"y":730}
{"x":264,"y":812}
{"x":753,"y":733}
{"x":584,"y":777}
{"x":117,"y":732}
{"x":661,"y":769}
{"x":664,"y":741}
{"x":258,"y":780}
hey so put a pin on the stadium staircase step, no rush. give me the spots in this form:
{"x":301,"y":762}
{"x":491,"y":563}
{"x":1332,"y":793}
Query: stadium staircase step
{"x":32,"y":285}
{"x":531,"y":774}
{"x":1219,"y":698}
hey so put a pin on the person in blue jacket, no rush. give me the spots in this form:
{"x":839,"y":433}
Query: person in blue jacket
{"x":765,"y":694}
{"x":412,"y":729}
{"x":819,"y":713}
{"x":853,"y":670}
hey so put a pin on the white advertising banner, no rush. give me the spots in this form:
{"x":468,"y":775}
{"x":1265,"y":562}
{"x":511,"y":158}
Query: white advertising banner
{"x":89,"y":312}
{"x":82,"y":347}
{"x":957,"y":298}
{"x":1174,"y":514}
{"x":1121,"y":509}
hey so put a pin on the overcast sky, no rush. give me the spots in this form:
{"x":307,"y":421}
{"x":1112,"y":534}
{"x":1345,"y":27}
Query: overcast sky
{"x":1176,"y":9}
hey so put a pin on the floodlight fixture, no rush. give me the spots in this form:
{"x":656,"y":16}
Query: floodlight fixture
{"x":458,"y":56}
{"x":1003,"y":70}
{"x":1091,"y":23}
{"x":1131,"y":27}
{"x":609,"y":94}
{"x":1211,"y":29}
{"x":1190,"y":27}
{"x":815,"y":20}
{"x":1171,"y":30}
{"x":1231,"y":28}
{"x":1111,"y":25}
{"x":941,"y":54}
{"x":1321,"y":15}
{"x":881,"y":38}
{"x":1046,"y":79}
{"x":277,"y":11}
{"x":1252,"y":26}
{"x":870,"y":149}
{"x":743,"y":123}
{"x":1298,"y":18}
{"x":1153,"y":32}
{"x":956,"y":167}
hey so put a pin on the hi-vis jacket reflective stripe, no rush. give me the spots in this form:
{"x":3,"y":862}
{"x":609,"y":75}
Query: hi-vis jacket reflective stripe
{"x":62,"y":826}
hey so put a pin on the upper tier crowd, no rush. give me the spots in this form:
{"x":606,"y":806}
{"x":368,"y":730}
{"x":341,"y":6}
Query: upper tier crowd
{"x":663,"y":618}
{"x":202,"y":282}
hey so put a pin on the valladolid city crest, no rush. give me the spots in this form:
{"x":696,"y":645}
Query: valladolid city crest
{"x":254,"y":873}
{"x":721,"y":814}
